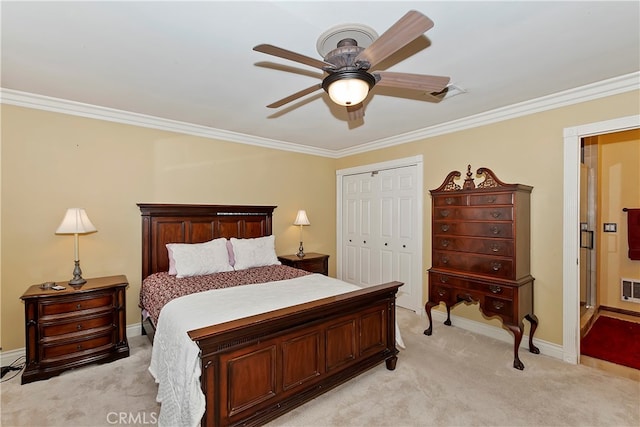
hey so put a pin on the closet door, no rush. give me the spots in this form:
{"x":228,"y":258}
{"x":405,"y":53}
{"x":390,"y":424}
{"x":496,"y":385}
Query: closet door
{"x":379,"y":231}
{"x":358,"y":202}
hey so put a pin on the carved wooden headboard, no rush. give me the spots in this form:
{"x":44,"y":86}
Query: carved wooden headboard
{"x":177,"y":223}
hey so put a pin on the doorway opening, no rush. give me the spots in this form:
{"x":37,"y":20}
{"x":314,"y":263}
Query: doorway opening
{"x":572,"y":228}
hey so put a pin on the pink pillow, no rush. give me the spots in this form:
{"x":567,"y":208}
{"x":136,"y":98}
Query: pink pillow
{"x":172,"y":262}
{"x":232,"y":259}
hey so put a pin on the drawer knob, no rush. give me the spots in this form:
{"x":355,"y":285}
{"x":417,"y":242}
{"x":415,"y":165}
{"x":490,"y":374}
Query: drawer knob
{"x":442,"y":292}
{"x":498,"y":305}
{"x":495,"y":247}
{"x":79,"y":327}
{"x":444,"y":227}
{"x":404,"y":246}
{"x":496,"y":266}
{"x":495,"y":230}
{"x":445,"y":260}
{"x":491,"y":199}
{"x":444,"y":213}
{"x":496,"y":214}
{"x":444,"y":279}
{"x":495,"y":289}
{"x":79,"y":347}
{"x":78,"y":306}
{"x":386,"y":244}
{"x":445,"y":243}
{"x":449,"y":200}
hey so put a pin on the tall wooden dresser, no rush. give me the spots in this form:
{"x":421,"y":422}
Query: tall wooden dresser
{"x":480,"y":251}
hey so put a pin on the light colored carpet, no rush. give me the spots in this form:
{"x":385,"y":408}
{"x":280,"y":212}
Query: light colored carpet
{"x":453,"y":378}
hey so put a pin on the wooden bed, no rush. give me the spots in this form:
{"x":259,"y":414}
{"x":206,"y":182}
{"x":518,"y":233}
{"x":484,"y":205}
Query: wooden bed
{"x":291,"y":355}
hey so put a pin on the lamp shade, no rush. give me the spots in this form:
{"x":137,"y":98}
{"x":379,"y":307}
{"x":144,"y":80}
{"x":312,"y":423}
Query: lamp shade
{"x":301,"y":218}
{"x":76,"y":221}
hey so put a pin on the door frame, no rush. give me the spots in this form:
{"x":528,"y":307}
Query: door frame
{"x":391,"y":164}
{"x":571,"y":227}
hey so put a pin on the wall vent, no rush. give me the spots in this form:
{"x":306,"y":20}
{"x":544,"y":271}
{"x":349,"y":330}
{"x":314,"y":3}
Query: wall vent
{"x":630,"y":290}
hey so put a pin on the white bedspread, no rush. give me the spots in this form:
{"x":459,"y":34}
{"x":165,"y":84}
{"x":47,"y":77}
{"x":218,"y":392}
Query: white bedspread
{"x":175,"y":357}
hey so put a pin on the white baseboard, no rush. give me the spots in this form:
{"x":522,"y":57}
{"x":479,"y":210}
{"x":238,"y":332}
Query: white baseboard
{"x":8,"y":357}
{"x":546,"y":348}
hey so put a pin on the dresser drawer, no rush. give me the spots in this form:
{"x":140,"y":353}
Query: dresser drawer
{"x":51,"y":352}
{"x":491,"y":199}
{"x":83,"y":324}
{"x":75,"y":305}
{"x":474,"y":229}
{"x":450,"y":201}
{"x":441,"y":279}
{"x":499,"y":247}
{"x":479,"y":264}
{"x":474,"y":213}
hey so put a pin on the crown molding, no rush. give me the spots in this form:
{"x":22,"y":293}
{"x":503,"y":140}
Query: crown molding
{"x":601,"y":89}
{"x":613,"y":86}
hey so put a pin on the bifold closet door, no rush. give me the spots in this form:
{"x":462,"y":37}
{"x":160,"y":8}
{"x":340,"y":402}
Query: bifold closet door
{"x":379,"y":223}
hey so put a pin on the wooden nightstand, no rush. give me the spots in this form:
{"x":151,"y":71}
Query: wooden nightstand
{"x":313,"y":262}
{"x":74,"y":327}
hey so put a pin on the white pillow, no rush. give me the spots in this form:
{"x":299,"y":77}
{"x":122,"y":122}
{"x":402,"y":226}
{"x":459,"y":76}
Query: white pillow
{"x":256,"y":252}
{"x":196,"y":259}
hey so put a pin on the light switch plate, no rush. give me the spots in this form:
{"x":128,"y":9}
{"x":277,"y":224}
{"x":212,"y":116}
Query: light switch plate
{"x":610,"y":227}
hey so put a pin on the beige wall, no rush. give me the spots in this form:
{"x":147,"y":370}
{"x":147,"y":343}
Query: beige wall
{"x":526,"y":150}
{"x":619,"y":179}
{"x":53,"y":161}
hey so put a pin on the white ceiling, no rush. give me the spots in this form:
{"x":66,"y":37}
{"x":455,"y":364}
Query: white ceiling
{"x":192,"y":63}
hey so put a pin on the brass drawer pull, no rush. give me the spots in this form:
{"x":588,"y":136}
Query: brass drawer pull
{"x":78,"y":306}
{"x":498,"y":305}
{"x":444,"y":227}
{"x":79,"y":347}
{"x":491,"y":199}
{"x":445,"y":243}
{"x":442,"y":292}
{"x":495,"y":230}
{"x":495,"y":289}
{"x":445,"y":213}
{"x":449,"y":200}
{"x":445,"y":260}
{"x":79,"y":327}
{"x":496,"y":214}
{"x":495,"y":247}
{"x":496,"y":266}
{"x":444,"y":279}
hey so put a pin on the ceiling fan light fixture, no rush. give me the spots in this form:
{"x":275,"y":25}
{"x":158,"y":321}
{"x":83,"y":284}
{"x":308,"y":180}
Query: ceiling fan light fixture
{"x":348,"y":87}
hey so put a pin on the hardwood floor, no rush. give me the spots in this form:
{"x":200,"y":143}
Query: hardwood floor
{"x":586,"y":321}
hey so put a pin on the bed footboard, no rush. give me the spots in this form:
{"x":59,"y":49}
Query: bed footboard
{"x":257,"y":368}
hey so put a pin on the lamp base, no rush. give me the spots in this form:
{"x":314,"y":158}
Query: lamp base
{"x":77,"y":276}
{"x":300,"y":253}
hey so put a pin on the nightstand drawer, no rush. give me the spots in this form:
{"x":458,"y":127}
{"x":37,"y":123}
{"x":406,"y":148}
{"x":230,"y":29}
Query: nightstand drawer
{"x":312,"y":262}
{"x":52,"y":308}
{"x":312,"y":265}
{"x":66,"y":351}
{"x":77,"y":325}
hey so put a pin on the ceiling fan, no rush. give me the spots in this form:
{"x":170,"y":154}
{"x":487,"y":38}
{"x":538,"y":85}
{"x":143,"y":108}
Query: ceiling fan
{"x":348,"y":66}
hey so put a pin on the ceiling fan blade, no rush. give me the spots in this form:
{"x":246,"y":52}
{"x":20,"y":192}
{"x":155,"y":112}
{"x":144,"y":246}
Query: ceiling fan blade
{"x":292,"y":56}
{"x":295,"y":96}
{"x":412,"y":81}
{"x":355,"y":112}
{"x":403,"y":32}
